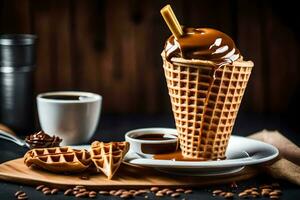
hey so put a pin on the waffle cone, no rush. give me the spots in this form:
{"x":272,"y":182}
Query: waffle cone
{"x":204,"y":108}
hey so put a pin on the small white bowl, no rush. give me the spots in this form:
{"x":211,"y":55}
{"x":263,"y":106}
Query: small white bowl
{"x":147,"y":148}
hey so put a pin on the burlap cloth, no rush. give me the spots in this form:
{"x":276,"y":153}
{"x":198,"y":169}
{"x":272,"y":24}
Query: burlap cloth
{"x":286,"y":166}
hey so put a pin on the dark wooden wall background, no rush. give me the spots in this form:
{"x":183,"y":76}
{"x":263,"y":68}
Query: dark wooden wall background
{"x":113,"y":47}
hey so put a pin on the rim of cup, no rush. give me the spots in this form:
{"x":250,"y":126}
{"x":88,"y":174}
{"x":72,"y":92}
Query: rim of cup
{"x":93,"y":97}
{"x":129,"y":136}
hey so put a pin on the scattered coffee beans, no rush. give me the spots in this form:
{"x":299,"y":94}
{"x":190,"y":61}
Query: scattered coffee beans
{"x":264,"y":190}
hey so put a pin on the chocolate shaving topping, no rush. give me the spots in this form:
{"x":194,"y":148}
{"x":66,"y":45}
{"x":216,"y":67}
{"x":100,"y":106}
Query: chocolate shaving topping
{"x":42,"y":140}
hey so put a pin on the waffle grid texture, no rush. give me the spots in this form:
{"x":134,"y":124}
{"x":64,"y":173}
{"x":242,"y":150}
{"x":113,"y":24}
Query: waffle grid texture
{"x":108,"y":157}
{"x":58,"y":159}
{"x":204,"y":120}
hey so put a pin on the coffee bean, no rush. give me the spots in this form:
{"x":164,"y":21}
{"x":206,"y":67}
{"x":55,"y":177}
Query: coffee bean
{"x":176,"y":194}
{"x":75,"y":192}
{"x":81,"y":194}
{"x":223,"y":194}
{"x":266,"y":190}
{"x":242,"y":194}
{"x":254,"y":193}
{"x":93,"y":192}
{"x":68,"y":192}
{"x":275,"y":193}
{"x":92,"y":195}
{"x":132,"y":191}
{"x":128,"y":193}
{"x":216,"y":192}
{"x":82,"y":190}
{"x":112,"y":192}
{"x":265,"y":193}
{"x":39,"y":187}
{"x":169,"y":192}
{"x":54,"y":191}
{"x":154,"y":189}
{"x":159,"y":194}
{"x":188,"y":191}
{"x":165,"y":190}
{"x":45,"y":189}
{"x":19,"y":192}
{"x":118,"y":193}
{"x":279,"y":192}
{"x":228,"y":195}
{"x":125,"y":196}
{"x":179,"y":190}
{"x":137,"y":193}
{"x":47,"y":192}
{"x":160,"y":191}
{"x":22,"y":194}
{"x":274,"y":197}
{"x":254,"y":189}
{"x":22,"y":197}
{"x":103,"y":192}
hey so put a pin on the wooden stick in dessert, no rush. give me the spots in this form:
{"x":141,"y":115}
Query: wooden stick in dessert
{"x":171,"y":21}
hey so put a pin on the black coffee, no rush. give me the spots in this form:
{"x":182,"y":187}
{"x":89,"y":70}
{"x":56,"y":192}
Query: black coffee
{"x":64,"y":97}
{"x":154,"y":137}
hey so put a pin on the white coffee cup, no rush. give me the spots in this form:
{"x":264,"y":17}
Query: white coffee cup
{"x":74,"y":119}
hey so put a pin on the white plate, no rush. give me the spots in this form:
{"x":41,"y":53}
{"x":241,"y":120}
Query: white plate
{"x":241,"y":152}
{"x":85,"y":146}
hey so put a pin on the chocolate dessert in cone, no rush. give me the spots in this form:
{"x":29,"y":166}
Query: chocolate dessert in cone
{"x":58,"y":159}
{"x":206,"y":78}
{"x":108,"y":157}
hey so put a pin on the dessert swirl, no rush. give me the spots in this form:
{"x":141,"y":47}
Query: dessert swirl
{"x":203,"y":44}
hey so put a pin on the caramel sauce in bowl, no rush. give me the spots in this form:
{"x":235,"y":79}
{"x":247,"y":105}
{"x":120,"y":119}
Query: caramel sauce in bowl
{"x":147,"y":142}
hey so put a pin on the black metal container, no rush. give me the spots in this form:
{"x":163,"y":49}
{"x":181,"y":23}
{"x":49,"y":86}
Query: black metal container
{"x":17,"y":65}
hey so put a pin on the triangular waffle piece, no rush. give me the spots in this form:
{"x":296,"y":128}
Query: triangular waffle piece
{"x":58,"y":159}
{"x":108,"y":157}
